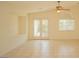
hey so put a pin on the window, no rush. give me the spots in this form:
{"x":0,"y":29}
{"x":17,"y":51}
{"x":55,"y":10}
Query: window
{"x":66,"y":25}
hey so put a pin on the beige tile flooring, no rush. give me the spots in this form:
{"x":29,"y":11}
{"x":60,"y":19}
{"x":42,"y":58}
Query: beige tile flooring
{"x":46,"y":48}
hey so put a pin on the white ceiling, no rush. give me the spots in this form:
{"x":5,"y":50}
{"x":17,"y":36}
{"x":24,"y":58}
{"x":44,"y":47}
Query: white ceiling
{"x":30,"y":6}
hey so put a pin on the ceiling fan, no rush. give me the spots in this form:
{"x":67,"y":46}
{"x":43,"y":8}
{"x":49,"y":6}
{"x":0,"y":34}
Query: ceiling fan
{"x":60,"y":8}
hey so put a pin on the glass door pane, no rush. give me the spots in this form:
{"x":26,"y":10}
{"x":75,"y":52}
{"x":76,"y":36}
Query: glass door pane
{"x":44,"y":27}
{"x":36,"y":27}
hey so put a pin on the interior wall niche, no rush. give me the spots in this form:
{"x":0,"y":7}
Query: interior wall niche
{"x":22,"y":24}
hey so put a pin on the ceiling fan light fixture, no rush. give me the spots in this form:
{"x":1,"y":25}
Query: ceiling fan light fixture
{"x":58,"y":11}
{"x":59,"y":8}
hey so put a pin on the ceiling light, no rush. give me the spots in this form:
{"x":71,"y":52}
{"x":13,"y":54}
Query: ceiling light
{"x":59,"y":8}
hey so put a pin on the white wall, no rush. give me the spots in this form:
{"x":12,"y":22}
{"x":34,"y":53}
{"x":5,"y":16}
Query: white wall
{"x":8,"y":32}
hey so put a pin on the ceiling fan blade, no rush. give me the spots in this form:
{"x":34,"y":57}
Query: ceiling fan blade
{"x":65,"y":9}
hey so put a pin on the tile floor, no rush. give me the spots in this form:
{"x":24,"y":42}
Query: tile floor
{"x":46,"y":49}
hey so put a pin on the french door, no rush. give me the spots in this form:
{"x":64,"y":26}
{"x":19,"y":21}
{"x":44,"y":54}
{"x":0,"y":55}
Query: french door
{"x":40,"y":29}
